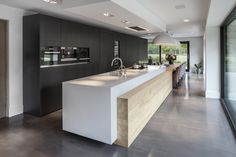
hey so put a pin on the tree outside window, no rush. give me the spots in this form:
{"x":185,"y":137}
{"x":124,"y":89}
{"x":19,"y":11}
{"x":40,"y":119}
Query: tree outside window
{"x":180,"y":51}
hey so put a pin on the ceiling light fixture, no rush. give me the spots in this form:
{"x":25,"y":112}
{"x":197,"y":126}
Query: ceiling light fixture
{"x":108,"y":14}
{"x":165,"y":39}
{"x":186,"y":20}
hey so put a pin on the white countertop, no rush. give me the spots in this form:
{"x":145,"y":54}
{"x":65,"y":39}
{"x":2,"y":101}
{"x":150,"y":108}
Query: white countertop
{"x":111,"y":79}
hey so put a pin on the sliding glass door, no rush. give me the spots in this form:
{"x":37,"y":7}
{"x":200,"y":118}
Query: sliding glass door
{"x":184,"y":54}
{"x":228,"y":62}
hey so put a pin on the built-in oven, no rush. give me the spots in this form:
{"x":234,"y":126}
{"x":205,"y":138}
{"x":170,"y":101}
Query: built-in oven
{"x":59,"y":56}
{"x":69,"y":54}
{"x":49,"y":55}
{"x":84,"y":54}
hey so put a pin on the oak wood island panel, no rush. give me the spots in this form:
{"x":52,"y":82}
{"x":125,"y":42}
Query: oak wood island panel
{"x":136,"y":107}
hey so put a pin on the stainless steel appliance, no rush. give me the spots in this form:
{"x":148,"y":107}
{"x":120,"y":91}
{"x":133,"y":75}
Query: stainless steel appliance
{"x":60,"y":56}
{"x":69,"y":54}
{"x":49,"y":55}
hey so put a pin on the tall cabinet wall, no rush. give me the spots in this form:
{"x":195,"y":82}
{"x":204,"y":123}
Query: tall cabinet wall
{"x":43,"y":86}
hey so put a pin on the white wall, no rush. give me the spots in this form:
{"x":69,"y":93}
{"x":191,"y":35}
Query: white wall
{"x":212,"y":56}
{"x":196,"y":50}
{"x":15,"y":45}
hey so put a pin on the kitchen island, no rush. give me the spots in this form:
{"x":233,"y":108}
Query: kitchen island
{"x":90,"y":104}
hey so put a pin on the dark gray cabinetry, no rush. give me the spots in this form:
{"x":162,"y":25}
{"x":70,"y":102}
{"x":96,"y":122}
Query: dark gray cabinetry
{"x":132,"y":50}
{"x":50,"y":31}
{"x":42,"y":87}
{"x":69,"y":33}
{"x":76,"y":34}
{"x":31,"y":63}
{"x":107,"y":49}
{"x":143,"y":49}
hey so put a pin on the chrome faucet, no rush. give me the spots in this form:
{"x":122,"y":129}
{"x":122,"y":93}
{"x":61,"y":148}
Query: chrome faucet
{"x":122,"y":70}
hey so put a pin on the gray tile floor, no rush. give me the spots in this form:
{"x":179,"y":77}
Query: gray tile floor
{"x":186,"y":125}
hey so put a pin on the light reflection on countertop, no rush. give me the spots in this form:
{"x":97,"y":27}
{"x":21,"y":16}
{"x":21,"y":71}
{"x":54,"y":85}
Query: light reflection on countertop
{"x":104,"y":77}
{"x":112,"y":78}
{"x":88,"y":82}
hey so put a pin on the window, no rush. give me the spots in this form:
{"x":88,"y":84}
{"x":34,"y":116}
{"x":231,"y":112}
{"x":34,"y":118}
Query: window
{"x":168,"y":50}
{"x":228,"y":69}
{"x":158,"y":53}
{"x":154,"y":52}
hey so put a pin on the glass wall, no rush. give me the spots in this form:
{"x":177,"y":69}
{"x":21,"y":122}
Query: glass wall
{"x":154,"y":52}
{"x":169,"y":50}
{"x":158,"y":53}
{"x":229,"y":69}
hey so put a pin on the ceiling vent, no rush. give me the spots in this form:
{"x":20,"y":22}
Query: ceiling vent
{"x":137,"y":28}
{"x":178,"y":7}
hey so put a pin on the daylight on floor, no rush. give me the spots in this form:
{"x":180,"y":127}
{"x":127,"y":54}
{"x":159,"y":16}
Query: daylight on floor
{"x":117,"y":78}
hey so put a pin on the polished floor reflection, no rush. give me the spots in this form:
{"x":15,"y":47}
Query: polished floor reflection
{"x":186,"y":125}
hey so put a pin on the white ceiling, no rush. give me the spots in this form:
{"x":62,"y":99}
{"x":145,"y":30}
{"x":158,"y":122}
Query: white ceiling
{"x":195,"y":10}
{"x":95,"y":12}
{"x":192,"y":29}
{"x":155,"y":15}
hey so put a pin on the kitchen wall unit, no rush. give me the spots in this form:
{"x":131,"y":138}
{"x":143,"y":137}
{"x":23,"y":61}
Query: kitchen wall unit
{"x":42,"y":93}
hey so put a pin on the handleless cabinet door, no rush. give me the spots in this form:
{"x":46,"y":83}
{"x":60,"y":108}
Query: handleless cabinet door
{"x":50,"y":31}
{"x":143,"y":49}
{"x":69,"y":35}
{"x":107,"y":51}
{"x":75,"y":34}
{"x":132,"y":50}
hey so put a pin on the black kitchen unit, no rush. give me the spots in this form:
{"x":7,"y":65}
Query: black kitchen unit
{"x":57,"y":50}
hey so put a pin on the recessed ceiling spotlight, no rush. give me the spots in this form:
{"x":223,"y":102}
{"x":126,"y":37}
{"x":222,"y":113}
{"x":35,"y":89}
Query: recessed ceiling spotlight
{"x":125,"y":21}
{"x":53,"y":1}
{"x":186,"y":20}
{"x":108,"y":14}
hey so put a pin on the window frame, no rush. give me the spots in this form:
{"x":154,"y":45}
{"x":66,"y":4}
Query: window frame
{"x":223,"y":44}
